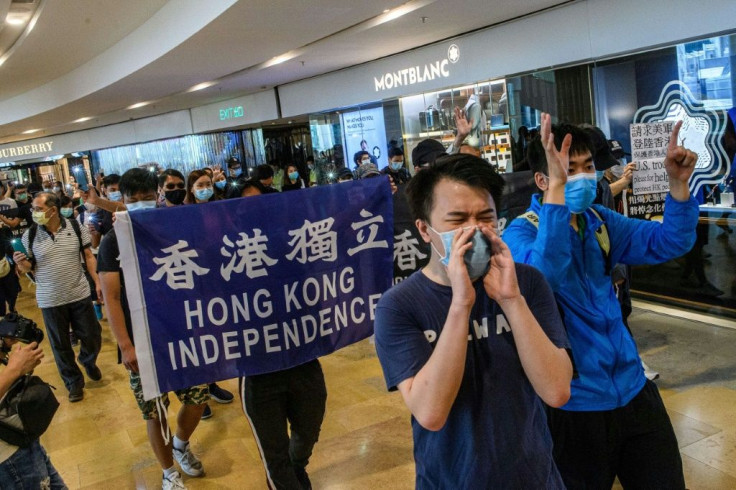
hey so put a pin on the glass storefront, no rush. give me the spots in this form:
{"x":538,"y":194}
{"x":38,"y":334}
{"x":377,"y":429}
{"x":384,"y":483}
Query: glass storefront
{"x":692,"y":81}
{"x":184,"y":154}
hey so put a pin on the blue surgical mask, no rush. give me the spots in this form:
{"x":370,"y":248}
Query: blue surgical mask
{"x":477,"y":259}
{"x":220,"y":184}
{"x":67,"y":212}
{"x":56,"y":189}
{"x":580,"y":191}
{"x":115,"y":196}
{"x":599,"y":175}
{"x":236,"y":172}
{"x":204,"y":194}
{"x":294,"y":175}
{"x":135,"y":206}
{"x":395,"y":166}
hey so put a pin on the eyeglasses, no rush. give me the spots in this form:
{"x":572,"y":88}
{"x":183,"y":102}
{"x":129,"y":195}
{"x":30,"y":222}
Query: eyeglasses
{"x":171,"y":187}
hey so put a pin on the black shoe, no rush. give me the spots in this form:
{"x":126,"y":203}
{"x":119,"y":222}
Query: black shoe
{"x":76,"y":394}
{"x":302,"y":478}
{"x":207,"y":412}
{"x":93,"y":372}
{"x":220,"y":395}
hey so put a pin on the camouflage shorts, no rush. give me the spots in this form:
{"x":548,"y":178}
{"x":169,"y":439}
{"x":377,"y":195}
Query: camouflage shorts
{"x":195,"y":395}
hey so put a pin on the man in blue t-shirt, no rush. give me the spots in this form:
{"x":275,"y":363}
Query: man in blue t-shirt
{"x":473,"y":341}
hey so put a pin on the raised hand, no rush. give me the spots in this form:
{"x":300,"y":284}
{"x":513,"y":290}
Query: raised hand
{"x":558,"y":162}
{"x":461,"y":123}
{"x":679,"y":162}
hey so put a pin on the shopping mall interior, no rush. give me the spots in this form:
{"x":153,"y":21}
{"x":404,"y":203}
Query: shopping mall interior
{"x":97,"y":87}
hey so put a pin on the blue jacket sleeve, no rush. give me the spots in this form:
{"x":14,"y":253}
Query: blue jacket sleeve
{"x":547,"y":247}
{"x":635,"y":241}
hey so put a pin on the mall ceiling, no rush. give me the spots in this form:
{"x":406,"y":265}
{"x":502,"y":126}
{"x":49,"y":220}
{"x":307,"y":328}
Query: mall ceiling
{"x":76,"y":64}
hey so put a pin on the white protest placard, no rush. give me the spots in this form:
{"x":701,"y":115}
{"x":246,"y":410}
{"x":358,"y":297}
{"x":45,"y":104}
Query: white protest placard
{"x":648,"y":149}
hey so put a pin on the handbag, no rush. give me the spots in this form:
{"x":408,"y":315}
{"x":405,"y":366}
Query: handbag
{"x":26,"y":410}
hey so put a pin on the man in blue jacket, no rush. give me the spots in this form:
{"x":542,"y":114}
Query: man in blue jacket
{"x":615,"y":423}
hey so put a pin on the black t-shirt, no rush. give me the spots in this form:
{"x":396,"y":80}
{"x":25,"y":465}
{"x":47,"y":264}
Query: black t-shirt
{"x":108,"y":260}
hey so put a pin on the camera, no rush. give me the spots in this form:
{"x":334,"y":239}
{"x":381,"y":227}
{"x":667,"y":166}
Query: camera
{"x":18,"y":327}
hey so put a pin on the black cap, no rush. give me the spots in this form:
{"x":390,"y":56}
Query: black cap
{"x":344,"y":173}
{"x":426,"y":152}
{"x":603,"y":158}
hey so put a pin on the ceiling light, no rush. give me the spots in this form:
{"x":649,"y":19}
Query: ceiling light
{"x":281,"y":58}
{"x":387,"y":11}
{"x":30,"y":131}
{"x":17,"y":18}
{"x":138,"y":105}
{"x":201,"y":86}
{"x":82,"y":119}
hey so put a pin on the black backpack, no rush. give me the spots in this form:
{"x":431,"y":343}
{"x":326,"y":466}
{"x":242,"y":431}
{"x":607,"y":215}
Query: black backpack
{"x":75,"y":225}
{"x":33,"y":401}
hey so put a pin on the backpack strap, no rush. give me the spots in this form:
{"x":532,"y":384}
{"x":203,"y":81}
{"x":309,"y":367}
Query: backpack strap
{"x":75,"y":226}
{"x":601,"y":235}
{"x":31,"y":237}
{"x":604,"y":240}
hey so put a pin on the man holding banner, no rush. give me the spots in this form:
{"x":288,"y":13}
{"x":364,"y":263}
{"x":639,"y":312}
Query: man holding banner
{"x":139,"y":189}
{"x":473,"y":341}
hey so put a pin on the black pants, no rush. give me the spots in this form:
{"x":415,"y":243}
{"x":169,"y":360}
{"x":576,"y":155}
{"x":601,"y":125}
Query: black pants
{"x":80,"y":316}
{"x":9,"y":289}
{"x":294,"y":397}
{"x":634,"y":442}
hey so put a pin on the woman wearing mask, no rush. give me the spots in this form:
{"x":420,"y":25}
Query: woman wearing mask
{"x":199,"y":191}
{"x":199,"y":188}
{"x":67,"y":207}
{"x":220,"y":183}
{"x":292,"y":181}
{"x":171,"y":188}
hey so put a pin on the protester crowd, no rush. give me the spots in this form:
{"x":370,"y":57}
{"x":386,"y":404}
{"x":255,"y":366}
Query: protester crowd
{"x":513,"y":355}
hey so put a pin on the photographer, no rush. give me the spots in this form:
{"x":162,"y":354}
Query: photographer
{"x":23,"y":467}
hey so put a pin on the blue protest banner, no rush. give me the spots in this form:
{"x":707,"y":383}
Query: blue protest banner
{"x":254,"y":285}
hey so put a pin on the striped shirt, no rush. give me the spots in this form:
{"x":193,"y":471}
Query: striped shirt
{"x":60,"y":279}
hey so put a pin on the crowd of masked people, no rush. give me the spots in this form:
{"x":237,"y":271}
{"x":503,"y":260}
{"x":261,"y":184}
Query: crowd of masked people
{"x":513,"y":355}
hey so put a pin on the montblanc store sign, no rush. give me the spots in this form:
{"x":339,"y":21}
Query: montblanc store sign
{"x":419,"y":74}
{"x":27,"y":150}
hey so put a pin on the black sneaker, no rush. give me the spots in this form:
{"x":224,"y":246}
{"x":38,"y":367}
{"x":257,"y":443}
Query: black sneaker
{"x":207,"y":412}
{"x":93,"y":372}
{"x":302,"y":478}
{"x":76,"y":394}
{"x":220,"y":395}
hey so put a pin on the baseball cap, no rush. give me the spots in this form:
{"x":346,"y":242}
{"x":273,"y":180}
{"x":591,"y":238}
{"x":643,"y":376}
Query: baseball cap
{"x":426,"y":152}
{"x":367,"y":170}
{"x":603,"y":158}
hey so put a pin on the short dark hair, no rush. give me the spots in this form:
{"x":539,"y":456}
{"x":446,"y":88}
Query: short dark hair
{"x":466,"y":169}
{"x":310,"y":158}
{"x":20,"y":185}
{"x":137,"y":180}
{"x":359,"y":156}
{"x":395,"y":152}
{"x":580,"y":144}
{"x":232,"y":162}
{"x":111,"y":179}
{"x":263,"y":172}
{"x":170,"y":172}
{"x":65,"y":201}
{"x":51,"y":200}
{"x":236,"y":189}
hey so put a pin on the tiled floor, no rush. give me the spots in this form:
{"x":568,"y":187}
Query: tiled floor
{"x":366,"y":438}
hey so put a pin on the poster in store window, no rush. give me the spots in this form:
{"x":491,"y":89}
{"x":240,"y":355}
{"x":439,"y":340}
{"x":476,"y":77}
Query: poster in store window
{"x":365,"y":131}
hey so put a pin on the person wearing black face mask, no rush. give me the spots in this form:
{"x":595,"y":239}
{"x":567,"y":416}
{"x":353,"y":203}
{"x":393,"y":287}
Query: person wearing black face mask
{"x":171,"y":188}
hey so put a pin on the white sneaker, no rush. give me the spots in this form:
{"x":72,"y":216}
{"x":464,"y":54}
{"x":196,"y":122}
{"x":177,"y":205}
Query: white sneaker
{"x":189,"y":463}
{"x":173,"y":482}
{"x":649,"y":373}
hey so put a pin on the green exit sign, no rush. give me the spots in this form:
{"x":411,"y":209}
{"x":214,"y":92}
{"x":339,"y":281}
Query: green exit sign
{"x":231,"y":113}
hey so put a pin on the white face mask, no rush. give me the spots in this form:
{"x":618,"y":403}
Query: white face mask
{"x":617,"y":171}
{"x":135,"y":206}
